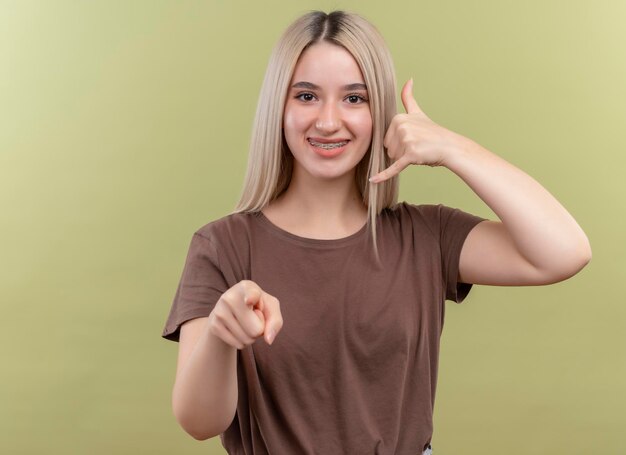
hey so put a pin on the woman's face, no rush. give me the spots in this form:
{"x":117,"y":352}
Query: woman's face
{"x":327,"y":121}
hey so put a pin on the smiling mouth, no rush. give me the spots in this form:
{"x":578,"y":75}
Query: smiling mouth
{"x":327,"y":146}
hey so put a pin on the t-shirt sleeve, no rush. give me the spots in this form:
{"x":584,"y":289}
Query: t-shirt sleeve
{"x":454,"y":226}
{"x":201,"y":285}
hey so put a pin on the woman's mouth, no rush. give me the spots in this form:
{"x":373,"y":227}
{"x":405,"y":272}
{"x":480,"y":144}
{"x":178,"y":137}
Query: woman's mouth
{"x":328,"y":149}
{"x":327,"y":145}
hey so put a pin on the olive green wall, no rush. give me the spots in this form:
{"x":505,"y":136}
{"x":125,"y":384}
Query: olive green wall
{"x":124,"y":127}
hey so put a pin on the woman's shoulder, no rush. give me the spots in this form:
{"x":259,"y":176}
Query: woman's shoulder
{"x":427,"y":217}
{"x":232,"y":224}
{"x":410,"y":209}
{"x":426,"y":209}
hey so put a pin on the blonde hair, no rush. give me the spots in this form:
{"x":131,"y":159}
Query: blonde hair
{"x":270,"y":163}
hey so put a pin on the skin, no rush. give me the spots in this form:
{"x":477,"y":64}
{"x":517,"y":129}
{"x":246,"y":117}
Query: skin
{"x":323,"y":200}
{"x":536,"y":242}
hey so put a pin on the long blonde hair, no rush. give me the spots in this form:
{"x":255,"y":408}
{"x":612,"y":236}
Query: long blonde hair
{"x":270,"y":163}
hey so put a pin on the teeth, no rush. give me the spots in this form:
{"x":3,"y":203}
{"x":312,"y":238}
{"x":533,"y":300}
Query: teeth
{"x":332,"y":145}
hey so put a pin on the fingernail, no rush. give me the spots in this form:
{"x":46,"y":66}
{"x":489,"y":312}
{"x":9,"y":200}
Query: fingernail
{"x":270,"y":337}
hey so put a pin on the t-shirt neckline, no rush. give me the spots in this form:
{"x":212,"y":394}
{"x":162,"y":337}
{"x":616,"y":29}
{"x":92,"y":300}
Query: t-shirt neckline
{"x":352,"y":238}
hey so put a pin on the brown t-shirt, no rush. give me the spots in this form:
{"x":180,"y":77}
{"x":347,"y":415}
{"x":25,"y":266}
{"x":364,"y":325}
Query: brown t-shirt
{"x":354,"y":368}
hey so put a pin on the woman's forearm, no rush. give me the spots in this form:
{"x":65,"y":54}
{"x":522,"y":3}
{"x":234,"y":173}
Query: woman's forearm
{"x":205,"y":394}
{"x":542,"y":229}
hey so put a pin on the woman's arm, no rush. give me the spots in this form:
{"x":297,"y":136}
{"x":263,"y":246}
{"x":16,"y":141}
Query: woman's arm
{"x":205,"y":394}
{"x":536,"y":242}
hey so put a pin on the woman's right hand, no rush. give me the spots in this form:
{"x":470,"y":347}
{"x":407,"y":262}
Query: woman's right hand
{"x":244,"y":313}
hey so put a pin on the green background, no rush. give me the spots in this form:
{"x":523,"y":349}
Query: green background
{"x":124,"y":127}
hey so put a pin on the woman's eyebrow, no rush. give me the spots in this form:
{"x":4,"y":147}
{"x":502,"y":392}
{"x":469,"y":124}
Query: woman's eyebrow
{"x":312,"y":86}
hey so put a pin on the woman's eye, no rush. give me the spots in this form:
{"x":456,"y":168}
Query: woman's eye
{"x":305,"y":96}
{"x":355,"y":99}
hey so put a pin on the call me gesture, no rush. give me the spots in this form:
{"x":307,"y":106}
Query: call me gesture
{"x":536,"y":242}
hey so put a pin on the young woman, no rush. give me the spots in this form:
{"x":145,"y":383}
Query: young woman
{"x":346,"y":286}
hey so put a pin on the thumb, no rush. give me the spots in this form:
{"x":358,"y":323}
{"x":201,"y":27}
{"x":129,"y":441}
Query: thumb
{"x":252,"y":298}
{"x":410,"y":105}
{"x":273,"y":317}
{"x":261,"y":317}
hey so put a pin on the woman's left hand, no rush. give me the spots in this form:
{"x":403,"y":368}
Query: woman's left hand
{"x":413,"y":138}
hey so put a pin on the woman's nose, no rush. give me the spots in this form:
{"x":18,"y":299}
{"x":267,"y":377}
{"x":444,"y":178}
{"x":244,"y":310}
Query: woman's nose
{"x":329,"y":119}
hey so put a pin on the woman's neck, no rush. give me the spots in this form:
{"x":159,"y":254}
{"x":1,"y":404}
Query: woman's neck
{"x":319,"y":208}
